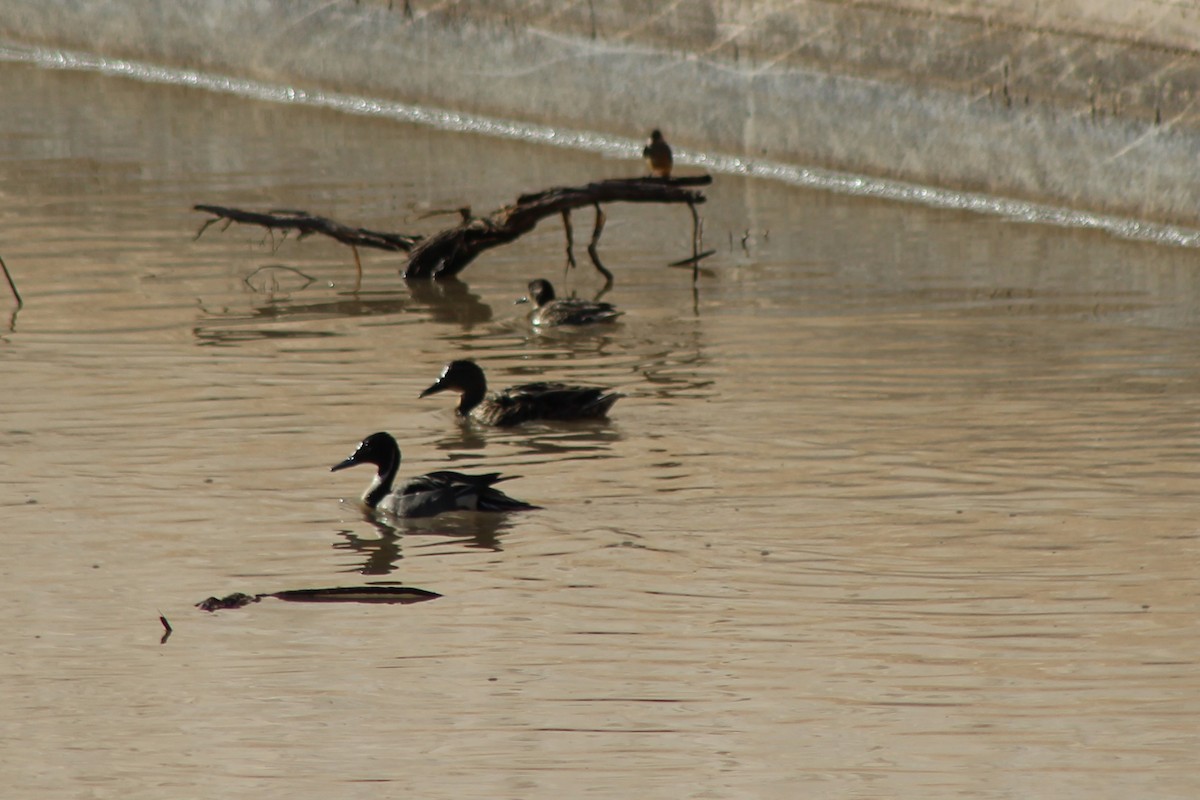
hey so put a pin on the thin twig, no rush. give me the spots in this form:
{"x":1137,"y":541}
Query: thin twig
{"x":692,"y":261}
{"x":357,"y":269}
{"x":309,"y":278}
{"x":596,"y":231}
{"x":307,"y":224}
{"x":695,"y":243}
{"x":205,"y":226}
{"x":566,"y":218}
{"x":12,"y":285}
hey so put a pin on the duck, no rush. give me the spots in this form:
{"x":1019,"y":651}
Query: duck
{"x":549,"y":310}
{"x":658,"y":155}
{"x":517,"y":404}
{"x":425,"y":495}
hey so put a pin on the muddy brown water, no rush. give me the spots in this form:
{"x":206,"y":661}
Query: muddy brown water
{"x":899,"y":503}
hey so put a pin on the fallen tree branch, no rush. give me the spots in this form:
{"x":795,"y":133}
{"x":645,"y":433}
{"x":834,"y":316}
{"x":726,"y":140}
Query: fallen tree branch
{"x":448,"y":252}
{"x":308,"y":224}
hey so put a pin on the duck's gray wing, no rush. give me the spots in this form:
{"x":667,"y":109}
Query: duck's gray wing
{"x":447,"y":478}
{"x":575,"y":312}
{"x":440,"y":492}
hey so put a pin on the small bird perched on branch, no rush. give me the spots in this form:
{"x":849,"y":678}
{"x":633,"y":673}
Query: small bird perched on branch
{"x":658,"y":155}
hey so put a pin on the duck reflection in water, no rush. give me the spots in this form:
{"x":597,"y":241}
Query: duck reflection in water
{"x":450,"y":300}
{"x":380,"y":555}
{"x":535,"y":443}
{"x":444,"y":300}
{"x":261,"y":322}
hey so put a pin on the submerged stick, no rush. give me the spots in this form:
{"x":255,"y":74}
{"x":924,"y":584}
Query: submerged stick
{"x":692,"y":261}
{"x":592,"y":251}
{"x":566,"y":218}
{"x":695,"y":242}
{"x":357,"y":269}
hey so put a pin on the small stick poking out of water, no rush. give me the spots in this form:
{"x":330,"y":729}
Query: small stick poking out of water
{"x":11,"y":285}
{"x":167,"y":629}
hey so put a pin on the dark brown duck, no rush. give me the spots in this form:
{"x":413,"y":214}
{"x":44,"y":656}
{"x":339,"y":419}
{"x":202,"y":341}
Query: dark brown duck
{"x":517,"y":404}
{"x":549,"y":310}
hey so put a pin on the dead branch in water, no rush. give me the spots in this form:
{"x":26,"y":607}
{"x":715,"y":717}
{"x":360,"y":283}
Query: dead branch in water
{"x":448,"y":252}
{"x":308,"y":224}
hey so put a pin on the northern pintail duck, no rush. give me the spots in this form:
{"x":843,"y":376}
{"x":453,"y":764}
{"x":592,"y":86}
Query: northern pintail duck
{"x":549,"y":310}
{"x":517,"y":404}
{"x":658,"y":155}
{"x":425,"y":495}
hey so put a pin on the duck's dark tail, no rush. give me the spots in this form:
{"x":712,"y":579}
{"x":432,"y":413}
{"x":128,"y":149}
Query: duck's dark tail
{"x":496,"y":500}
{"x":600,"y":406}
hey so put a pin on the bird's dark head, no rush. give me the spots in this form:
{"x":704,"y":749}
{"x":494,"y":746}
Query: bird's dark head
{"x":462,"y":375}
{"x":379,"y":449}
{"x":540,"y":292}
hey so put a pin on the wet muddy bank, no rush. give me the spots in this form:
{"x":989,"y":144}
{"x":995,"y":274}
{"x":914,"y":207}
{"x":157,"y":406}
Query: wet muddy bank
{"x":1089,"y":112}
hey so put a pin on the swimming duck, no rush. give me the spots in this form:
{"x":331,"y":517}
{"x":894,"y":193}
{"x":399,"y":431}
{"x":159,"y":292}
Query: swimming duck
{"x":548,"y":310}
{"x":658,"y":155}
{"x":517,"y":404}
{"x":425,"y":495}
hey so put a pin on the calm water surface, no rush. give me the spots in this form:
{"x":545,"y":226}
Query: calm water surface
{"x":899,"y":503}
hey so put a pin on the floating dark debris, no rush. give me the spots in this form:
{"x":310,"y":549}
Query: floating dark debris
{"x":357,"y":594}
{"x":235,"y":600}
{"x":337,"y":594}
